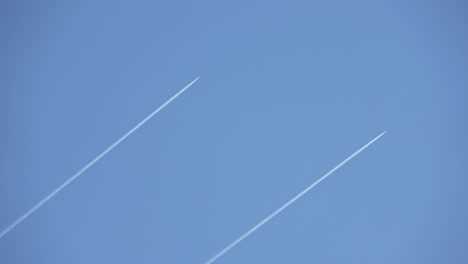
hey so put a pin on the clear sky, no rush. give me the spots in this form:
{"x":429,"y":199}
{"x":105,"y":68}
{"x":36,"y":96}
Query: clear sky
{"x":287,"y":90}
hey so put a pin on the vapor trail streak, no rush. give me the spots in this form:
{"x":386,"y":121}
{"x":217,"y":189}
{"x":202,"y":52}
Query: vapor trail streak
{"x":279,"y":210}
{"x":87,"y":166}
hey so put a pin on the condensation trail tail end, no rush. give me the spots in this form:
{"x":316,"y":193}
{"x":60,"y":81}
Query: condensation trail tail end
{"x":279,"y":210}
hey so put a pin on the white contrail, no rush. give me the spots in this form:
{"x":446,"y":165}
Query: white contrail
{"x":82,"y":170}
{"x":268,"y":218}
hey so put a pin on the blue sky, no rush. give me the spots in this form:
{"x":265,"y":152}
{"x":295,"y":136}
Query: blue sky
{"x":287,"y":90}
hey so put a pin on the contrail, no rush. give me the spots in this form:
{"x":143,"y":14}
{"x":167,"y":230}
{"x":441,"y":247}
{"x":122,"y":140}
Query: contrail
{"x":87,"y":166}
{"x":279,"y":210}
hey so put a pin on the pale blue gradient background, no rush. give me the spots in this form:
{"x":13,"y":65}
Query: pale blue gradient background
{"x":287,"y":90}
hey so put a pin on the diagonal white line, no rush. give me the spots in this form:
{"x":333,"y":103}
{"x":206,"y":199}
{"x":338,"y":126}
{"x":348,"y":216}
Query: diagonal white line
{"x":279,"y":210}
{"x":87,"y":166}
